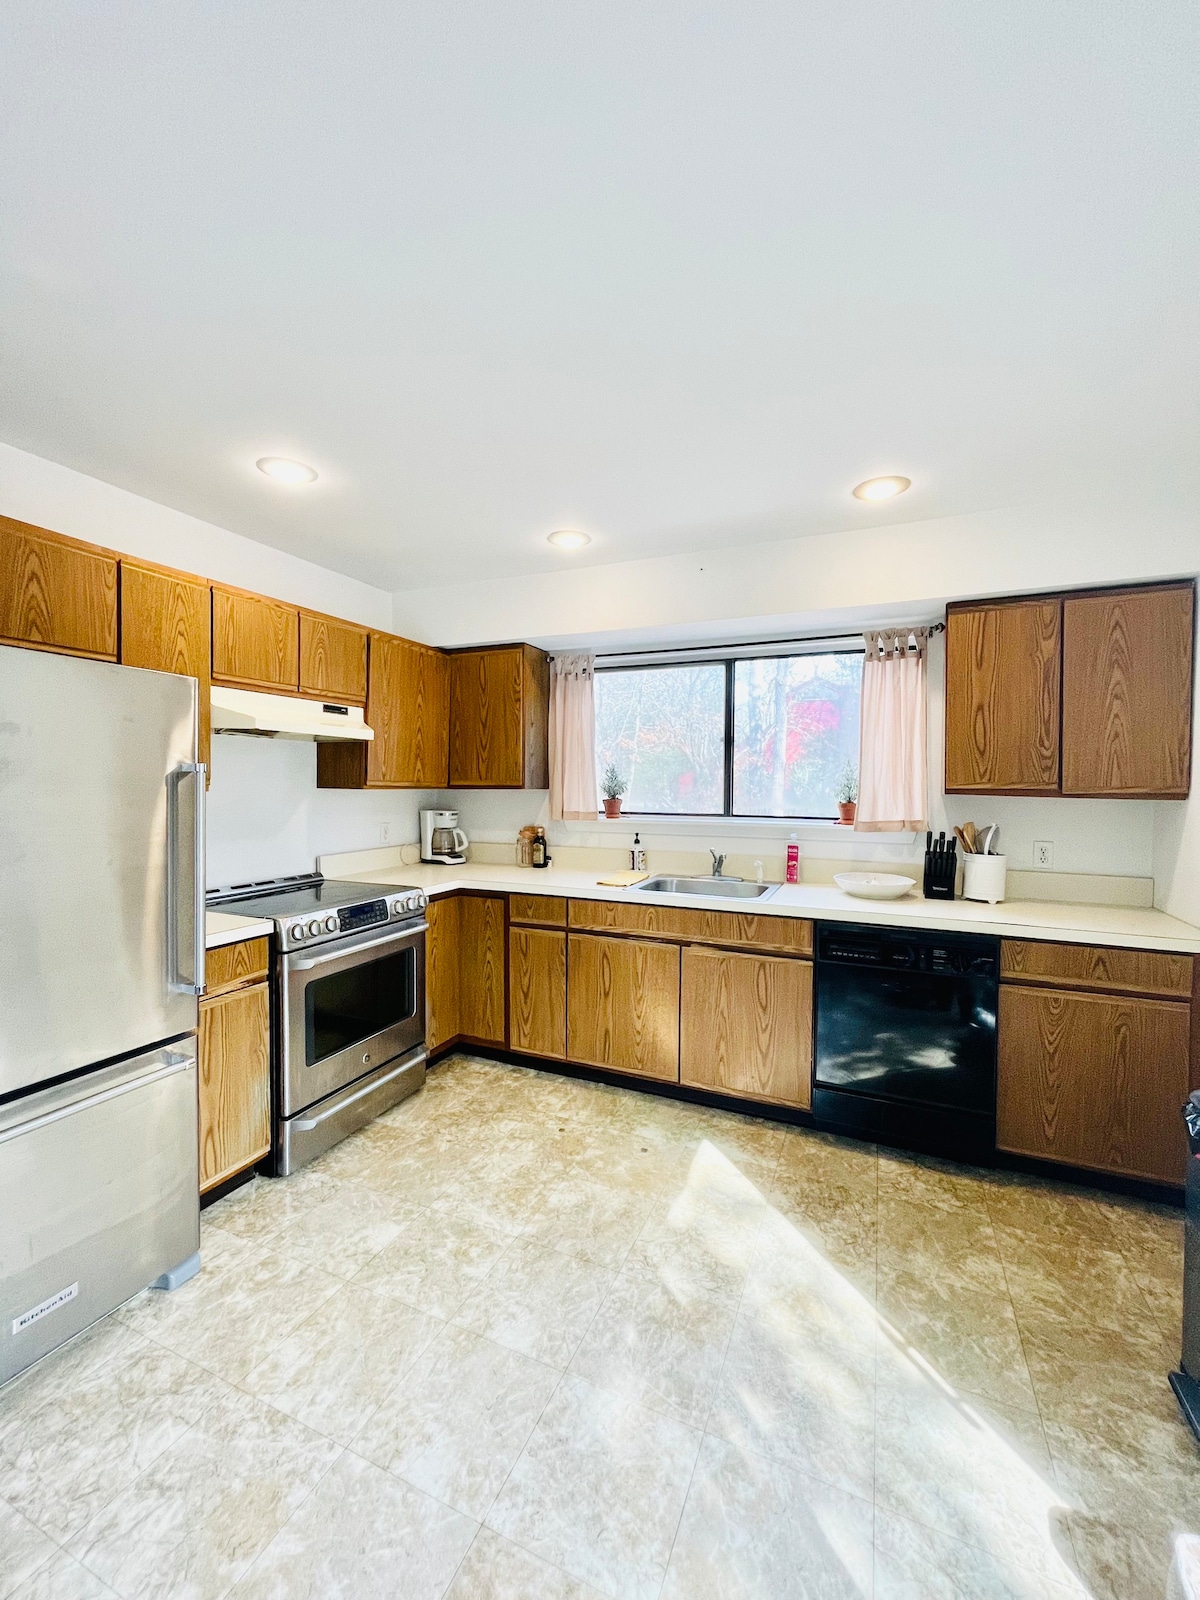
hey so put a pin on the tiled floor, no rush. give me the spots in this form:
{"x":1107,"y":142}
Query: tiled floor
{"x":528,"y":1337}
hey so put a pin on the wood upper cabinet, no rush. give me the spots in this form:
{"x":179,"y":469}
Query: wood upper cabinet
{"x":333,"y":659}
{"x":407,"y":709}
{"x":56,"y":593}
{"x":1093,"y":1080}
{"x":234,"y":1051}
{"x":499,"y":710}
{"x":255,"y":641}
{"x":537,"y":991}
{"x":166,"y":626}
{"x":746,"y":1025}
{"x":1127,"y":692}
{"x":1003,"y":665}
{"x":623,"y":1005}
{"x":465,"y":970}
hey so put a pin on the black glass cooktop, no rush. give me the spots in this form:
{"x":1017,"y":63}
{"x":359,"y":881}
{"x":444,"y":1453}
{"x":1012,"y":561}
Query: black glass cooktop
{"x":291,"y":899}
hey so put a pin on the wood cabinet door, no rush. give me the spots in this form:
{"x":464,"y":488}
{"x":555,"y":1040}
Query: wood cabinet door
{"x":235,"y":1097}
{"x":255,"y":641}
{"x":486,"y":712}
{"x":481,"y":943}
{"x":55,"y":593}
{"x":537,"y":991}
{"x":333,"y":659}
{"x":746,"y":1025}
{"x":422,"y":727}
{"x":166,"y":626}
{"x":623,"y":1005}
{"x":1002,"y":698}
{"x":1127,"y":692}
{"x":1093,"y":1080}
{"x":442,"y":972}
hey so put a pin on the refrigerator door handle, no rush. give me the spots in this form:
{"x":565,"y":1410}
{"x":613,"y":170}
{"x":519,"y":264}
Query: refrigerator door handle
{"x":185,"y":877}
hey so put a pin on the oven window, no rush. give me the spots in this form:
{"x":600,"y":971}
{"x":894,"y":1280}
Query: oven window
{"x":348,"y":1007}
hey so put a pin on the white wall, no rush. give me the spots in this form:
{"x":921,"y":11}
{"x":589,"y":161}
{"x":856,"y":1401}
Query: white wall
{"x":1177,"y":840}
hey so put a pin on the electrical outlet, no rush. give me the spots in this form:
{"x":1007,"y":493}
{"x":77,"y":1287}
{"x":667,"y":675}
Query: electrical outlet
{"x":1043,"y":853}
{"x":385,"y":833}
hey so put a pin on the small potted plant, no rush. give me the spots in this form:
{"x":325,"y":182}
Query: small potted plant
{"x":847,"y":792}
{"x":612,"y":786}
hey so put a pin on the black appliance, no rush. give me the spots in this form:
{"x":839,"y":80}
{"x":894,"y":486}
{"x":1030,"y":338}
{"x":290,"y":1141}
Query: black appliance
{"x":906,"y":1038}
{"x":1186,"y":1382}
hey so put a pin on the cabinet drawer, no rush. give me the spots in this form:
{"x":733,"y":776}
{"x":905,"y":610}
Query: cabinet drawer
{"x":1084,"y":966}
{"x":745,"y":1025}
{"x":232,"y":966}
{"x":785,"y":934}
{"x":549,"y":910}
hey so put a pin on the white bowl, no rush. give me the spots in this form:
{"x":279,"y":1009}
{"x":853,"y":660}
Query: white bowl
{"x":873,"y":885}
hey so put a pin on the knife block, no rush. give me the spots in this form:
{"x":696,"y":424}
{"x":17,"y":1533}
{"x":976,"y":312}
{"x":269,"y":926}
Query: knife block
{"x":941,"y":869}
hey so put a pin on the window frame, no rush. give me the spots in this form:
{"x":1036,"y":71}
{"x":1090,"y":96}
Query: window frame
{"x":730,"y":663}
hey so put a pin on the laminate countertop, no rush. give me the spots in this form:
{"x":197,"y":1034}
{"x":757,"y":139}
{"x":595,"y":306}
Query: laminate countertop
{"x":1129,"y":927}
{"x":222,"y":927}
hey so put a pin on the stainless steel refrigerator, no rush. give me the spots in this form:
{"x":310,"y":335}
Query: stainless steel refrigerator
{"x":101,"y":959}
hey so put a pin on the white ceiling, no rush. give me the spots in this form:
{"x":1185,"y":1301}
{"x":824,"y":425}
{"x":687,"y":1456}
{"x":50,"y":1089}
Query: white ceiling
{"x":677,"y":274}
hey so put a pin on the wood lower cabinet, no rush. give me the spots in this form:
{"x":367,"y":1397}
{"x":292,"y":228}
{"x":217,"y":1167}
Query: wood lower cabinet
{"x":1155,"y":973}
{"x":234,"y":1080}
{"x":333,"y":659}
{"x":56,"y":593}
{"x":537,"y":991}
{"x":407,"y":708}
{"x":255,"y":641}
{"x":549,"y":910}
{"x":746,"y":1025}
{"x":1127,"y":692}
{"x":499,"y":712}
{"x":792,"y":935}
{"x":166,"y":625}
{"x":1003,"y":667}
{"x":1093,"y":1080}
{"x":465,"y":971}
{"x":623,"y":1005}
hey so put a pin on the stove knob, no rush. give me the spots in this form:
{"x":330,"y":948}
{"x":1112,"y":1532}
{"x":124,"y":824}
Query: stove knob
{"x":330,"y":924}
{"x":314,"y":928}
{"x":296,"y":931}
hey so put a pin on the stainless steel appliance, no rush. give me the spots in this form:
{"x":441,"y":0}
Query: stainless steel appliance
{"x":101,"y":956}
{"x":348,"y":1008}
{"x":906,"y":1037}
{"x":441,"y":838}
{"x":1186,"y":1382}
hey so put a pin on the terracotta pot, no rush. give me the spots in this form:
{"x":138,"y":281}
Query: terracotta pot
{"x":612,"y":808}
{"x":846,"y":810}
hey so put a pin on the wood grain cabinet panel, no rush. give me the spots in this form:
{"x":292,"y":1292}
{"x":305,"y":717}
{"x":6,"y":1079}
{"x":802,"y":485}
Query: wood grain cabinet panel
{"x":499,"y":709}
{"x":234,"y":1080}
{"x":745,"y":1025}
{"x":790,"y":935}
{"x":550,"y":910}
{"x":481,"y":935}
{"x":623,"y":1005}
{"x":1003,"y":668}
{"x":166,"y":625}
{"x":1127,"y":692}
{"x":537,"y":990}
{"x":1093,"y":1080}
{"x":232,"y":966}
{"x":255,"y":641}
{"x":55,"y":593}
{"x":407,"y":709}
{"x":441,"y":972}
{"x":1084,"y":966}
{"x":333,"y":659}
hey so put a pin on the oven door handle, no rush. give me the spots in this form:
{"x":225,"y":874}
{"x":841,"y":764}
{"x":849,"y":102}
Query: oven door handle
{"x":398,"y":936}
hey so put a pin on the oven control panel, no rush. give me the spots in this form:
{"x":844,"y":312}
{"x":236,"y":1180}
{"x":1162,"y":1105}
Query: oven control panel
{"x":403,"y":906}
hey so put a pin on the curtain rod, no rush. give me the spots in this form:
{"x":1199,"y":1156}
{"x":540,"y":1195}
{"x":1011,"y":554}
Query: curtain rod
{"x":759,"y":644}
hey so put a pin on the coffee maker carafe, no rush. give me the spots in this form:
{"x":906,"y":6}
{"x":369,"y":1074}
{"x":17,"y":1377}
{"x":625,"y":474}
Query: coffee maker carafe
{"x":441,"y":838}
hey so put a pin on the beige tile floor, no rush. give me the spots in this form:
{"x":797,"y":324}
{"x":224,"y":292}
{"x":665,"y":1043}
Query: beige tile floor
{"x":529,"y":1337}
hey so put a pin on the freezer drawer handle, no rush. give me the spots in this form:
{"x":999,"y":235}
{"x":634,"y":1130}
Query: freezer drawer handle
{"x":169,"y":1069}
{"x":308,"y":1123}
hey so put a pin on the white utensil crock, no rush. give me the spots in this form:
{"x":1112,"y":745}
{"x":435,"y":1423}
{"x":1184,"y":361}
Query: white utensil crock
{"x":984,"y":877}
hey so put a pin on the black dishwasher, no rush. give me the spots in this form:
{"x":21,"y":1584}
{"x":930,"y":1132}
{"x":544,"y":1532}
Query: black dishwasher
{"x":906,"y":1038}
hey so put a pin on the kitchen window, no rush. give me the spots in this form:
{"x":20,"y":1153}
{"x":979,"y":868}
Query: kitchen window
{"x":755,"y":736}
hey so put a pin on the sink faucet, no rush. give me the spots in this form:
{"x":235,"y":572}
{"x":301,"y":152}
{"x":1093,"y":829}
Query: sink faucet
{"x":718,"y":863}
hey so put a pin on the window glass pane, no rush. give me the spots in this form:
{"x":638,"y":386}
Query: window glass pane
{"x":795,"y":721}
{"x":663,"y":728}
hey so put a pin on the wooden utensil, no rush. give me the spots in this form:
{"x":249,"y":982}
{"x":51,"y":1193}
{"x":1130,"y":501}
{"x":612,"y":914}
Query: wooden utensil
{"x":960,"y":835}
{"x":971,"y":838}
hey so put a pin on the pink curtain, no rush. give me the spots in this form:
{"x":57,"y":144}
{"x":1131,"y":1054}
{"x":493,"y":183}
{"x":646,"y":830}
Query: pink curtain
{"x":573,"y":795}
{"x":893,"y":777}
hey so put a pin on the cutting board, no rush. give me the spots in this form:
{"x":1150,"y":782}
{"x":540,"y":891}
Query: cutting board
{"x":621,"y":880}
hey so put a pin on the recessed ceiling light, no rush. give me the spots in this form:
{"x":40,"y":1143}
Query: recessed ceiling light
{"x":568,"y":539}
{"x":291,"y":472}
{"x":881,"y":488}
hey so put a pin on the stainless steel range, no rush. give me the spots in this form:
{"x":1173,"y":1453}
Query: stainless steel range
{"x":348,"y":1004}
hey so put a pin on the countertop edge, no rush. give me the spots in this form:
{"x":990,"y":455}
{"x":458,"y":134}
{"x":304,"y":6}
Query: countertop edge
{"x":236,"y":929}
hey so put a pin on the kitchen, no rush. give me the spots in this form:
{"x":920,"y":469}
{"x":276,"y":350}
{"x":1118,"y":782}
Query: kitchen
{"x":585,"y":1062}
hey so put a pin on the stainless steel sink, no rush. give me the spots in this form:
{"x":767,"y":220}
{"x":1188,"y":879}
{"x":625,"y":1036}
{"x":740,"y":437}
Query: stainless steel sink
{"x":716,"y":888}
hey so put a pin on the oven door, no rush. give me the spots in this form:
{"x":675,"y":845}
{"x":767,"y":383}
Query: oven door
{"x":348,"y":1008}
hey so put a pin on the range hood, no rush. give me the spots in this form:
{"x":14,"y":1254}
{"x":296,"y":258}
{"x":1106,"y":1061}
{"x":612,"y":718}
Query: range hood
{"x":281,"y":716}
